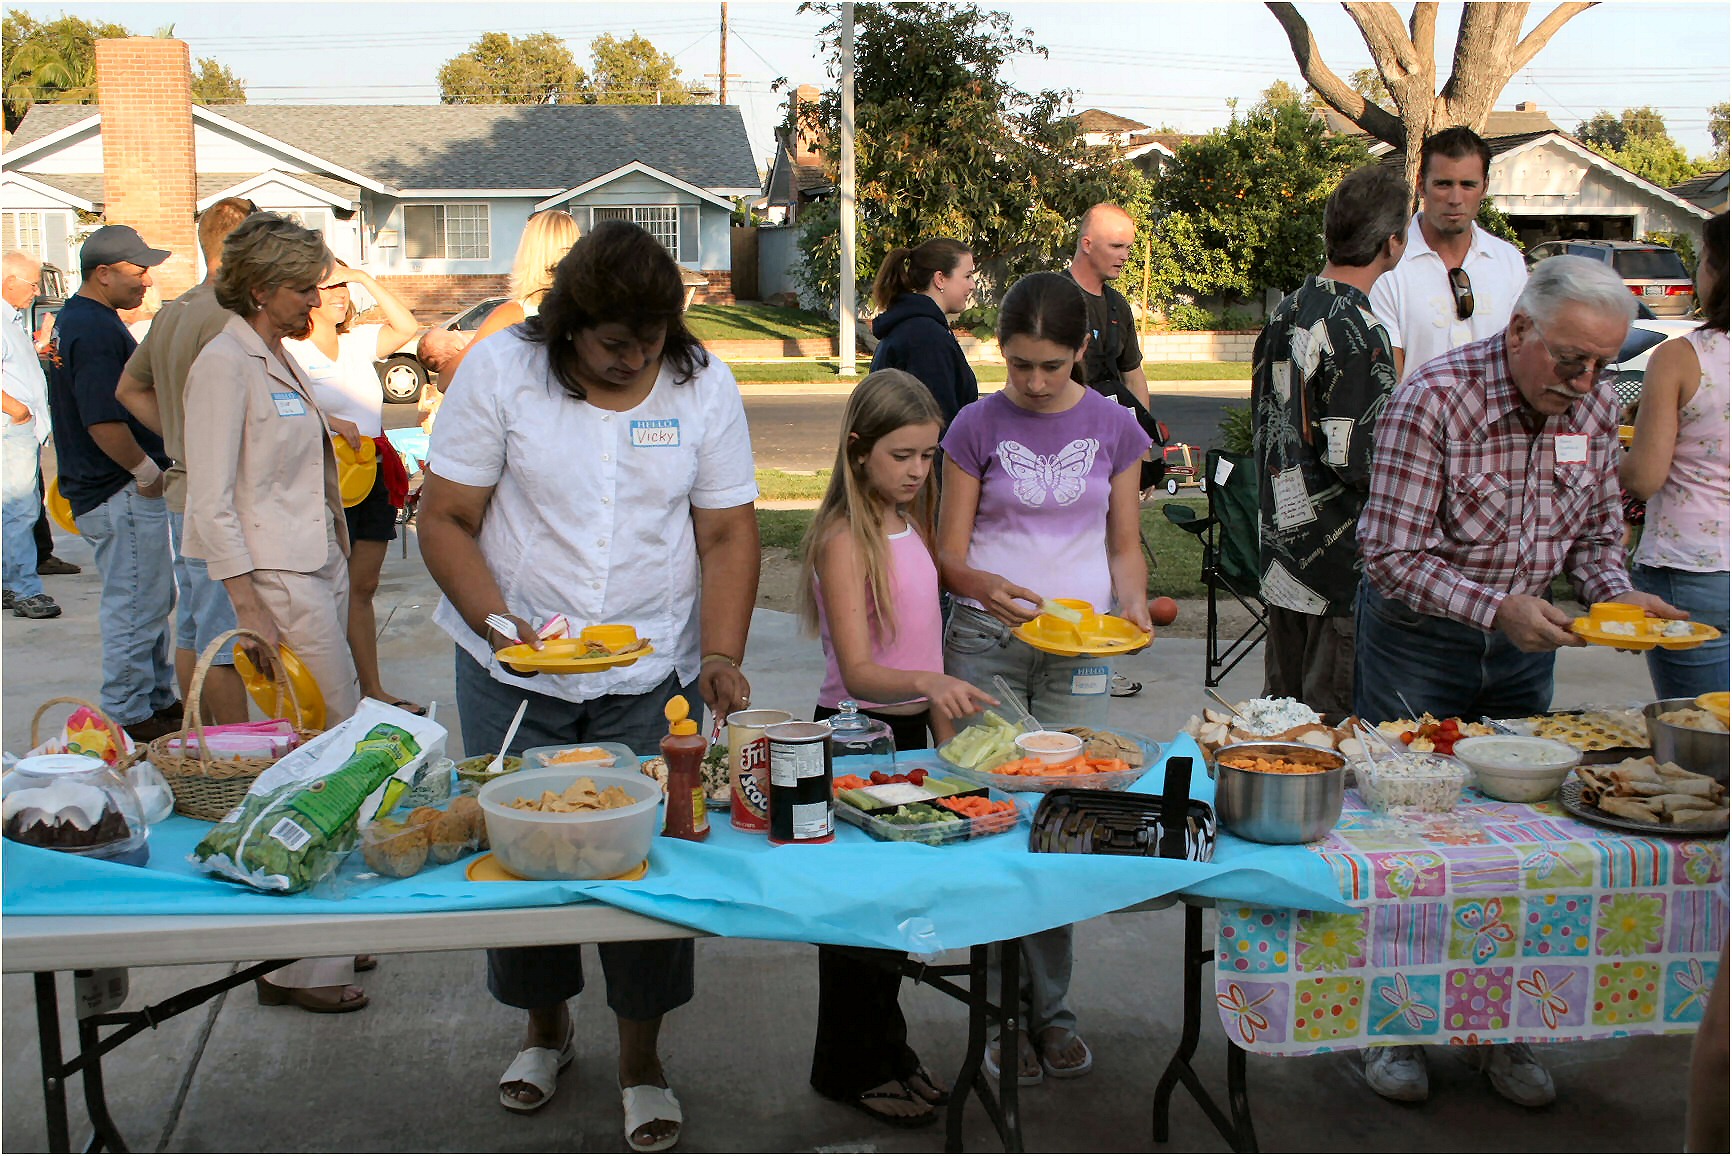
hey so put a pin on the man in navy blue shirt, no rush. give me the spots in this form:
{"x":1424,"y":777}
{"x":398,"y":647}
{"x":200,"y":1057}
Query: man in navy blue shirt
{"x":111,"y":471}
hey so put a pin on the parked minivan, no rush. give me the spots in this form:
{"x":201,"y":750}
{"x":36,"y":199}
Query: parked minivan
{"x":1655,"y":273}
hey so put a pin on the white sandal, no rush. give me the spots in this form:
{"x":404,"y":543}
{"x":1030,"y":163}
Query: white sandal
{"x":648,"y":1104}
{"x":539,"y":1068}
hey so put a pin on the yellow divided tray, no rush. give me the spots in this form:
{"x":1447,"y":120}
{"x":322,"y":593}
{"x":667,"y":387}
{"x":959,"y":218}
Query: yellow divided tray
{"x":1717,"y":703}
{"x":1606,"y":621}
{"x":488,"y":869}
{"x":563,"y":656}
{"x":1096,"y":636}
{"x":1626,"y":435}
{"x":357,"y":469}
{"x":307,"y":696}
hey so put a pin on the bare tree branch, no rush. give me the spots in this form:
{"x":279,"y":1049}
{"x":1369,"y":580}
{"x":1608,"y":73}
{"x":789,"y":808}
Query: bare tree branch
{"x":1543,"y":31}
{"x":1385,"y":35}
{"x":1341,"y":96}
{"x":1423,"y":30}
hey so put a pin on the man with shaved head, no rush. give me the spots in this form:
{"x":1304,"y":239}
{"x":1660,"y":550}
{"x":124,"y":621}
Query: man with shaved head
{"x":24,"y":397}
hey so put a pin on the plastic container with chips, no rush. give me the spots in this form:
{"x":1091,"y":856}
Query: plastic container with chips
{"x":574,"y":845}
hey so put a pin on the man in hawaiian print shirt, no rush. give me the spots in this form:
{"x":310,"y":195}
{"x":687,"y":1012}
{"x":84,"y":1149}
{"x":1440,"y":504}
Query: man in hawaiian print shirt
{"x":1323,"y":369}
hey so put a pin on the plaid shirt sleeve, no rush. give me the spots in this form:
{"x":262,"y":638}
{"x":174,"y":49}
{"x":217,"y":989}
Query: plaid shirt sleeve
{"x":1398,"y":530}
{"x":1596,"y":558}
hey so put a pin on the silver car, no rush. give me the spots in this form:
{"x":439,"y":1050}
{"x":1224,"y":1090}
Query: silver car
{"x":1655,"y":273}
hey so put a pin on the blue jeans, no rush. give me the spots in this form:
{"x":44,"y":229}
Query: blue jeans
{"x":20,"y":458}
{"x":202,"y":607}
{"x":1440,"y":665}
{"x":1688,"y":673}
{"x":130,"y":536}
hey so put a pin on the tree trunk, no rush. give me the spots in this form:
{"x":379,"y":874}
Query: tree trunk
{"x":1489,"y":50}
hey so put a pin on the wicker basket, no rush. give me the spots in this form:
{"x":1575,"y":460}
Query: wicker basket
{"x":124,"y":761}
{"x":209,"y":786}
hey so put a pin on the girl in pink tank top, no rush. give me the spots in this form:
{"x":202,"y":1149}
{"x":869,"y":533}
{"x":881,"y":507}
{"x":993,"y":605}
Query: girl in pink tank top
{"x":871,"y":594}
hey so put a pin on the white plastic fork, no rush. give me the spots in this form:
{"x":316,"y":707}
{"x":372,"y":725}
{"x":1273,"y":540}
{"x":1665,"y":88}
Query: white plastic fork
{"x":504,"y":626}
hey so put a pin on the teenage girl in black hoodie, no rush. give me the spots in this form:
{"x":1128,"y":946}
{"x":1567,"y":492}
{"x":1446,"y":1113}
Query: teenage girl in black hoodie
{"x":914,"y":291}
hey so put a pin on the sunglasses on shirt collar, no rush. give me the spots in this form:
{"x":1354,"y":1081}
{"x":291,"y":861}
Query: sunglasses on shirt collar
{"x":1462,"y":288}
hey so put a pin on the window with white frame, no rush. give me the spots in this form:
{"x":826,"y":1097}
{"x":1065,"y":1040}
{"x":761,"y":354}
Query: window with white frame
{"x":22,"y":231}
{"x":660,"y":221}
{"x":454,"y":232}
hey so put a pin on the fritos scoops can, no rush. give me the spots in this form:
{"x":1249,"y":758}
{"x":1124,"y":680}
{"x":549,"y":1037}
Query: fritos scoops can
{"x":801,"y":809}
{"x":749,"y":767}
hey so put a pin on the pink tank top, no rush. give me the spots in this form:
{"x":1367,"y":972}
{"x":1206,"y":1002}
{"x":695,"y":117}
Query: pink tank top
{"x":1686,"y":526}
{"x":919,"y":641}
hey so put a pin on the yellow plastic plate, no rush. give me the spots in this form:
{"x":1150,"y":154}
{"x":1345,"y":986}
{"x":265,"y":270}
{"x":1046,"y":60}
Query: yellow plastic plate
{"x":1626,"y":435}
{"x":1647,"y":635}
{"x":1096,"y":636}
{"x":310,"y":699}
{"x":357,"y":469}
{"x":563,"y":656}
{"x":59,"y":508}
{"x":488,"y":869}
{"x":1717,"y":703}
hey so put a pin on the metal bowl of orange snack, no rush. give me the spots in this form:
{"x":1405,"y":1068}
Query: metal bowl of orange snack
{"x":1278,"y":792}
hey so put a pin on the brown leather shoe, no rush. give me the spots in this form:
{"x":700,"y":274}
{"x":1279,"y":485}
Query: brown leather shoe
{"x":151,"y":729}
{"x":53,"y":565}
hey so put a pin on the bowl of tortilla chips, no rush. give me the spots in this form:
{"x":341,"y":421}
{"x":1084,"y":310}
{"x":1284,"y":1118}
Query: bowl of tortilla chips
{"x":570,"y":823}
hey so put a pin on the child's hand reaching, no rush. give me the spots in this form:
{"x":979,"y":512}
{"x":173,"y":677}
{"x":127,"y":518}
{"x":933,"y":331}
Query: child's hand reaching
{"x":952,"y":698}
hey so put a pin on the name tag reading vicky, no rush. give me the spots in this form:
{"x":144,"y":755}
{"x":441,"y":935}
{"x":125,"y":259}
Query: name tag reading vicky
{"x":1570,"y":449}
{"x":289,"y":404}
{"x":657,"y":433}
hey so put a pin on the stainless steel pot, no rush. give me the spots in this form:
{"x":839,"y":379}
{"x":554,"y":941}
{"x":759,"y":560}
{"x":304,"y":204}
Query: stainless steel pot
{"x":1705,"y":752}
{"x":1273,"y":808}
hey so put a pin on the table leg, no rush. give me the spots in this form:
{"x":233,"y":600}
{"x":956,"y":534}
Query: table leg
{"x":1237,"y":1131}
{"x":970,"y":1071}
{"x":90,"y":1049}
{"x":1000,"y":1105}
{"x":53,"y":1063}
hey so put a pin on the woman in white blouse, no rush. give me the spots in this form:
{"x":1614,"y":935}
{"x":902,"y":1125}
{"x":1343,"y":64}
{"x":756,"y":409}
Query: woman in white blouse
{"x":594,"y":462}
{"x":339,"y":357}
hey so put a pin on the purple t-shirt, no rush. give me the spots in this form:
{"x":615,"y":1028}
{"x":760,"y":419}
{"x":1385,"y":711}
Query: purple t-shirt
{"x":1045,"y":481}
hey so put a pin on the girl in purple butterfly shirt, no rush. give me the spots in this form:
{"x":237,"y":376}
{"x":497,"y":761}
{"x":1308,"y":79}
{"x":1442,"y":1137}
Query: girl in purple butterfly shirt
{"x":1040,"y":501}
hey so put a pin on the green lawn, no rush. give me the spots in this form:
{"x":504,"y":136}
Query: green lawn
{"x":1178,"y":555}
{"x":783,"y":486}
{"x":756,"y":322}
{"x":804,"y":370}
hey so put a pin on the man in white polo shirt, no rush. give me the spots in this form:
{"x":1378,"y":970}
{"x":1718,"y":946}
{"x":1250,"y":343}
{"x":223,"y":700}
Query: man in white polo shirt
{"x":1457,"y":283}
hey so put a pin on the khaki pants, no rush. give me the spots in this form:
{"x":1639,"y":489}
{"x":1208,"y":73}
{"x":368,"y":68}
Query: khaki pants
{"x":1310,"y":657}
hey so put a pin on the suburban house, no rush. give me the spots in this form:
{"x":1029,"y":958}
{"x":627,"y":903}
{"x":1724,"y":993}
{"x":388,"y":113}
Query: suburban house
{"x":1130,"y":140}
{"x":431,"y":198}
{"x":797,"y":176}
{"x":1707,"y":190}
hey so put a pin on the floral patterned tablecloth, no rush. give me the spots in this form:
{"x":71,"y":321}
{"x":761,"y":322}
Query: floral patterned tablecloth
{"x":1494,"y":923}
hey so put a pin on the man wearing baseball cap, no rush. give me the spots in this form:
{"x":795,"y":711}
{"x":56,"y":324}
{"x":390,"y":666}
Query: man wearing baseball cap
{"x":111,"y":471}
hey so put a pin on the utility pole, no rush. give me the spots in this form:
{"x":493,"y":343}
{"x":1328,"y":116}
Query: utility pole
{"x":723,"y":83}
{"x":848,"y":309}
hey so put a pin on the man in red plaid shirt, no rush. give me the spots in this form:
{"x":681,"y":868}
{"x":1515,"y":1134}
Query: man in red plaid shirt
{"x":1495,"y":470}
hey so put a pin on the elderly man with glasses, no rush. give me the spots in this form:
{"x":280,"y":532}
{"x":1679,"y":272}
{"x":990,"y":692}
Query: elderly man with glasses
{"x":1495,"y":471}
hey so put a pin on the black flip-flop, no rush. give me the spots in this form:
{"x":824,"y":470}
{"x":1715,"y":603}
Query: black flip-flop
{"x":921,"y":1073}
{"x":405,"y":704}
{"x":862,"y":1103}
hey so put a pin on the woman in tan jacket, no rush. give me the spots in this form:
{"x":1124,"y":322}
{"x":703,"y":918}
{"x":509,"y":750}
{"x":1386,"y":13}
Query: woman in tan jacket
{"x":263,"y":506}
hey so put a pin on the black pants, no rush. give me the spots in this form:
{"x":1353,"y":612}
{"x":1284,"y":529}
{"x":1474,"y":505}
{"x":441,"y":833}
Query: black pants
{"x":862,"y":1038}
{"x":44,"y":535}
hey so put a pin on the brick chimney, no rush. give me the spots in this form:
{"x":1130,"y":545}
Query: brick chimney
{"x":806,"y":142}
{"x":149,"y":176}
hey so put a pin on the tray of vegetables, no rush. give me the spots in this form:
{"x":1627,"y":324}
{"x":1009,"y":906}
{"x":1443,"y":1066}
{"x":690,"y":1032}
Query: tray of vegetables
{"x":918,"y":807}
{"x":986,"y":754}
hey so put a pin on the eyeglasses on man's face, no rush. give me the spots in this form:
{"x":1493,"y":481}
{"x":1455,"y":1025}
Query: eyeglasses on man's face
{"x":1569,"y":366}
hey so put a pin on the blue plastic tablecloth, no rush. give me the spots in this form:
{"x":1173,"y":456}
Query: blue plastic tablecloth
{"x":854,"y":891}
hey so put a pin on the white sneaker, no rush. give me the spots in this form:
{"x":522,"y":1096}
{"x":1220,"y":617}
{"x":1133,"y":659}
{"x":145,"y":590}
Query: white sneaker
{"x":1397,"y":1073}
{"x":1518,"y":1076}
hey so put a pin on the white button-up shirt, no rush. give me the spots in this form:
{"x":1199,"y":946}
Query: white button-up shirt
{"x":20,"y":372}
{"x":591,"y":509}
{"x":1416,"y":305}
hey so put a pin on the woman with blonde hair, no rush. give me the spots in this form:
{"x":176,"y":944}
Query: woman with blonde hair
{"x":547,"y":237}
{"x":263,"y":507}
{"x":339,"y":357}
{"x":871,"y":594}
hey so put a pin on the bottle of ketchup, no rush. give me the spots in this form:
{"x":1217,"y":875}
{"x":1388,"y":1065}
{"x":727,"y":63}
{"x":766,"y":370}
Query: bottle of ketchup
{"x":683,"y":749}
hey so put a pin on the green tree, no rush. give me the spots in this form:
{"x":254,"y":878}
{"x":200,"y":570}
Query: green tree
{"x":1720,"y":131}
{"x":634,"y":71}
{"x":214,"y":84}
{"x":52,"y":62}
{"x":503,"y":69}
{"x":946,"y":145}
{"x":1241,"y":209}
{"x":1637,"y":139}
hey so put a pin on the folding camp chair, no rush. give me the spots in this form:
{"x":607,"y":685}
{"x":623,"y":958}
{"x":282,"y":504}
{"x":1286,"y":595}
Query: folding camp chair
{"x":1231,"y":562}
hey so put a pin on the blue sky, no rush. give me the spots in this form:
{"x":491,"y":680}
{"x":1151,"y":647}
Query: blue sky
{"x":1174,"y":64}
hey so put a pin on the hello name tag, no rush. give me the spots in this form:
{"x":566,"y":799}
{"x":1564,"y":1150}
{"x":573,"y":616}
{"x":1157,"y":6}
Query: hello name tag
{"x":1570,"y":449}
{"x":1086,"y":680}
{"x":289,"y":404}
{"x":658,"y":433}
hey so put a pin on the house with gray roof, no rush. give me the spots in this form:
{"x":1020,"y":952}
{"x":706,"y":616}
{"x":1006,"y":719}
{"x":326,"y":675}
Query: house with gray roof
{"x":433,"y":197}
